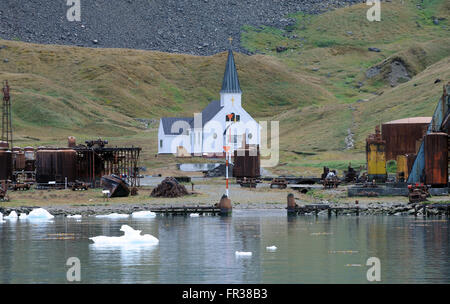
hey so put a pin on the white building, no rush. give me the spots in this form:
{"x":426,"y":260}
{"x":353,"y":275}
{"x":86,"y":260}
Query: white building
{"x":222,"y":123}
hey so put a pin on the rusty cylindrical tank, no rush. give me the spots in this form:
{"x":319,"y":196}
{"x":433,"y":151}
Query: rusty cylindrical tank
{"x":6,"y":164}
{"x":30,"y":158}
{"x":71,"y":142}
{"x":4,"y":145}
{"x":55,"y":165}
{"x":436,"y":159}
{"x":18,"y":159}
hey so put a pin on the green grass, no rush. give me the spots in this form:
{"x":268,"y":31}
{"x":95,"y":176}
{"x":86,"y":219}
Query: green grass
{"x":312,"y":89}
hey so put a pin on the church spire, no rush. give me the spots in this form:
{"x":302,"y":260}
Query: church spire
{"x":230,"y":82}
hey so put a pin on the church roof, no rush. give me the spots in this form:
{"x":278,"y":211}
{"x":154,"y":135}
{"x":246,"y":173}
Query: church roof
{"x":167,"y":123}
{"x":210,"y":111}
{"x":230,"y":82}
{"x":207,"y":114}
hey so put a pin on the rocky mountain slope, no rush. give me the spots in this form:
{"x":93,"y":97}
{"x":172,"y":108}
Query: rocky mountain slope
{"x":199,"y":27}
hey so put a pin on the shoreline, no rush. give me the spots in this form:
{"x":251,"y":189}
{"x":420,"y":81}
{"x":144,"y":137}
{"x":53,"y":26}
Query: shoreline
{"x":371,"y":209}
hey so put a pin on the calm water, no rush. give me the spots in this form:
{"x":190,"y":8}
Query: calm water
{"x":202,"y":250}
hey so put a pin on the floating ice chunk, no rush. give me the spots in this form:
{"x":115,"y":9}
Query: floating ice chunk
{"x":113,"y":216}
{"x":243,"y":254}
{"x":23,"y":216}
{"x":12,"y":216}
{"x":39,"y":214}
{"x":130,"y":237}
{"x":143,"y":214}
{"x":194,"y":215}
{"x":76,"y":216}
{"x":1,"y":218}
{"x":271,"y":248}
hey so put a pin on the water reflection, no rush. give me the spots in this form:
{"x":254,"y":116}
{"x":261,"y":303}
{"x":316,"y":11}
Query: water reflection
{"x":202,"y":250}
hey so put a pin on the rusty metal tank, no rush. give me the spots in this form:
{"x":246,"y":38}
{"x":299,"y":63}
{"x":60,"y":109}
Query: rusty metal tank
{"x":71,"y":142}
{"x":29,"y":153}
{"x":247,"y":162}
{"x":6,"y":164}
{"x":18,"y":159}
{"x":401,"y":135}
{"x":55,"y":165}
{"x":4,"y":145}
{"x":436,"y":159}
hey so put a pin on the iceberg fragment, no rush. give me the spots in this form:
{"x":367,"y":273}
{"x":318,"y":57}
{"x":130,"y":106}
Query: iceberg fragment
{"x":39,"y":214}
{"x":76,"y":216}
{"x":11,"y":216}
{"x":113,"y":216}
{"x":23,"y":216}
{"x":130,"y":237}
{"x":243,"y":254}
{"x":143,"y":214}
{"x":271,"y":248}
{"x":194,"y":215}
{"x":1,"y":218}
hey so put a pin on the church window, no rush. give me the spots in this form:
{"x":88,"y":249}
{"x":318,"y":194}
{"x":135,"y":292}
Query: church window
{"x":215,"y":135}
{"x":250,"y":135}
{"x":160,"y":143}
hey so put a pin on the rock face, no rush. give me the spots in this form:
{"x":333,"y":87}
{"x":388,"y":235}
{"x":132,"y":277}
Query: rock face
{"x":199,"y":27}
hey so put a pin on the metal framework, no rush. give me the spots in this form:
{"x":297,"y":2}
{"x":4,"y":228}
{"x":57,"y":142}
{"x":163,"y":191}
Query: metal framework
{"x":95,"y":162}
{"x":7,"y":133}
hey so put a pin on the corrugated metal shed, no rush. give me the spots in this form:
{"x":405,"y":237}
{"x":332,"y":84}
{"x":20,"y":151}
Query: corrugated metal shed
{"x":401,"y":135}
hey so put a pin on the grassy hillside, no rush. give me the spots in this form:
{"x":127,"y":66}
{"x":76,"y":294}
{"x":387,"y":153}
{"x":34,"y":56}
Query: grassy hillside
{"x":317,"y":88}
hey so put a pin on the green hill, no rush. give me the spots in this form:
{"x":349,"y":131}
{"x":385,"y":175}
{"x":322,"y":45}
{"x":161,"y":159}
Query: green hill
{"x":315,"y":85}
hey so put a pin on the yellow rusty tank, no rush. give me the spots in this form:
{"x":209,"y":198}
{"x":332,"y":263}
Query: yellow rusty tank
{"x":376,"y":157}
{"x":402,"y":168}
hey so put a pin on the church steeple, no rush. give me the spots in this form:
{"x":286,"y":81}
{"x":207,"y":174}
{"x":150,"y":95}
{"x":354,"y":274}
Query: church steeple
{"x":230,"y":82}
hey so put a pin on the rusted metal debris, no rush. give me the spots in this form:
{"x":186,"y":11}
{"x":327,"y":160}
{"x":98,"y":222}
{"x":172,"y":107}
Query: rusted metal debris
{"x":169,"y":187}
{"x":247,"y":182}
{"x":21,"y":186}
{"x":418,"y":193}
{"x":79,"y":186}
{"x":280,"y":183}
{"x":116,"y":186}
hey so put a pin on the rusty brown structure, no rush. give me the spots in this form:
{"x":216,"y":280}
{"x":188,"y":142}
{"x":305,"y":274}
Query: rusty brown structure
{"x":19,"y":159}
{"x":7,"y":132}
{"x":55,"y":165}
{"x":247,"y":162}
{"x":95,"y":160}
{"x":436,"y":159}
{"x":401,"y":135}
{"x":6,"y":164}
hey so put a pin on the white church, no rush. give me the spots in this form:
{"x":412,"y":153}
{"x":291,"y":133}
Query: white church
{"x":223,"y":124}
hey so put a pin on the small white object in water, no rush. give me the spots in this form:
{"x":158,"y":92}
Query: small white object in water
{"x":271,"y":248}
{"x":23,"y":216}
{"x":243,"y":253}
{"x":143,"y":214}
{"x":39,"y":214}
{"x":1,"y":218}
{"x":11,"y":216}
{"x":113,"y":216}
{"x":76,"y":216}
{"x":130,"y":237}
{"x":194,"y":215}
